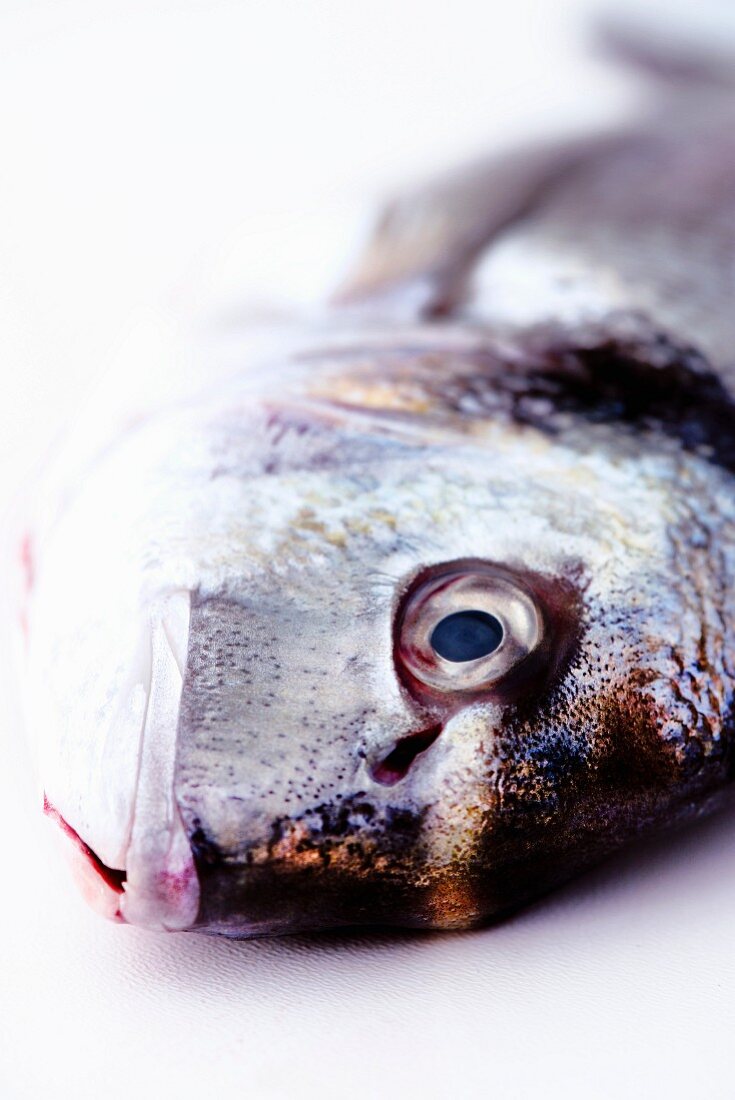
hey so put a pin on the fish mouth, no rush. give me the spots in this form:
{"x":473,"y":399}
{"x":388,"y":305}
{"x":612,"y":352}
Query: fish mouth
{"x":164,"y":898}
{"x":161,"y":889}
{"x":101,"y":886}
{"x":157,"y":887}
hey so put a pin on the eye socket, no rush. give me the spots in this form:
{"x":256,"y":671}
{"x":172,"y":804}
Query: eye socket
{"x":463,"y":630}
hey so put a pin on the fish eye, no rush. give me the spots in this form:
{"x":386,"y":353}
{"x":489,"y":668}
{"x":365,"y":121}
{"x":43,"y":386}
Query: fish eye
{"x":466,"y":636}
{"x":465,"y":629}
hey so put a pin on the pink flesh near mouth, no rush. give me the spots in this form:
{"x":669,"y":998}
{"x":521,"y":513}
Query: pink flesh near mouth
{"x":101,"y":886}
{"x":27,"y":563}
{"x":28,"y":571}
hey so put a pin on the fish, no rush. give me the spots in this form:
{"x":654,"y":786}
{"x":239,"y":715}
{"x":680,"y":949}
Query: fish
{"x":431,"y":606}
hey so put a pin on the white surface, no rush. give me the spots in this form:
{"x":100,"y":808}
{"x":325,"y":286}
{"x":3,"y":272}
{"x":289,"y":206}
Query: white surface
{"x":163,"y":158}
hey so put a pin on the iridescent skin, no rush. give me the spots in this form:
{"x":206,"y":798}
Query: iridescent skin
{"x":230,"y":712}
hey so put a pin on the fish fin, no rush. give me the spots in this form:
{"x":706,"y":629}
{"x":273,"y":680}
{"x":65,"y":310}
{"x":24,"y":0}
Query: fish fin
{"x":680,"y":57}
{"x":424,"y":246}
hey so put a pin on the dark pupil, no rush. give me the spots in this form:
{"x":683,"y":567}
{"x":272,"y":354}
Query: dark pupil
{"x":466,"y":635}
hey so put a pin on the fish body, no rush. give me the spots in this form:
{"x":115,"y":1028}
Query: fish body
{"x":433,"y":606}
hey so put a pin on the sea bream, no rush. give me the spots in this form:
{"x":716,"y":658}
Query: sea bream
{"x":432,"y":605}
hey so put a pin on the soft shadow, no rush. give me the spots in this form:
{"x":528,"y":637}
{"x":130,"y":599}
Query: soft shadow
{"x":704,"y":843}
{"x":268,"y":965}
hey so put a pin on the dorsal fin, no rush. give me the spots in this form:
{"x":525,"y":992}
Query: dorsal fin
{"x":421,"y":255}
{"x":671,"y":53}
{"x":425,"y":242}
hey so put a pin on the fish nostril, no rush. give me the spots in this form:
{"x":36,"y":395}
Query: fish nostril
{"x":396,"y":764}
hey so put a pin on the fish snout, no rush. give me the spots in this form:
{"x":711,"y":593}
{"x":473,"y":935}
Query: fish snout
{"x":397,"y":841}
{"x":317,"y":791}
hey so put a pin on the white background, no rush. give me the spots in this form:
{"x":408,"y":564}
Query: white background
{"x":161,"y":160}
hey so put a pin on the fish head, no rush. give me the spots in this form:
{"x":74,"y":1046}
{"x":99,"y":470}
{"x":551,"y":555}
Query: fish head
{"x":411,"y":657}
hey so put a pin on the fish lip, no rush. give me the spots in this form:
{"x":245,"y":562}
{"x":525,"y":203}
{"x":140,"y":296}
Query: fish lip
{"x":162,"y":890}
{"x":156,"y":886}
{"x":101,"y":885}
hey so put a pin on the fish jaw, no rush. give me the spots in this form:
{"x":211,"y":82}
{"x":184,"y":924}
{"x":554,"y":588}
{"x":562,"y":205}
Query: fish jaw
{"x":161,"y":890}
{"x":154,"y":882}
{"x":100,"y":886}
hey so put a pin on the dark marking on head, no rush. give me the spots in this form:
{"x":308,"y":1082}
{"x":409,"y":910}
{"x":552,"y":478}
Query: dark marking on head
{"x":653,"y":384}
{"x":204,"y":850}
{"x":340,"y":863}
{"x":646,"y":383}
{"x":728,"y":742}
{"x":629,"y":755}
{"x":567,"y":807}
{"x":622,"y":372}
